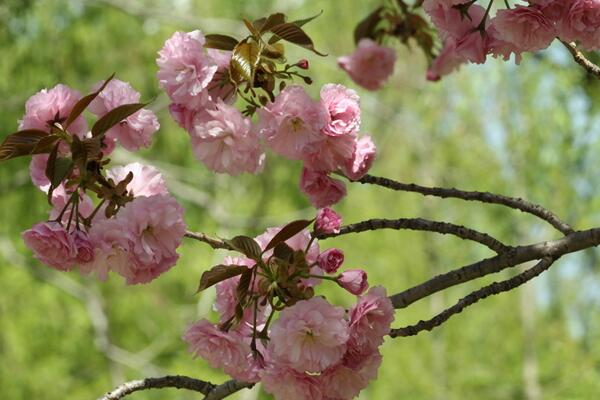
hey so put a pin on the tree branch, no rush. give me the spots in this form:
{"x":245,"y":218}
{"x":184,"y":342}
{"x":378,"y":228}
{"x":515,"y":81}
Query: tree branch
{"x":571,"y":243}
{"x":212,"y":242}
{"x":484,"y":197}
{"x":474,"y":297}
{"x":227,"y":388}
{"x":420,"y":224}
{"x":171,"y":381}
{"x":580,"y":59}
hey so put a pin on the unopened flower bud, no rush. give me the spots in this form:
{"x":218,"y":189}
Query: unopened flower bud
{"x":354,"y":281}
{"x":302,"y":64}
{"x":330,"y":260}
{"x":327,"y":221}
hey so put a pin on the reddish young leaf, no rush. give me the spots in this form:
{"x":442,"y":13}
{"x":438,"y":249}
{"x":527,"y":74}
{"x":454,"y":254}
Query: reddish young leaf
{"x":219,"y":273}
{"x":247,"y":246}
{"x":115,"y":116}
{"x":84,"y":102}
{"x":294,"y":34}
{"x":221,"y":42}
{"x":366,"y":27}
{"x":21,"y":143}
{"x":287,"y":232}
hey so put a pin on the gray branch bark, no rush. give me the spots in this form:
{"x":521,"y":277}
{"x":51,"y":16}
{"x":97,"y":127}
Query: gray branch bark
{"x":170,"y":381}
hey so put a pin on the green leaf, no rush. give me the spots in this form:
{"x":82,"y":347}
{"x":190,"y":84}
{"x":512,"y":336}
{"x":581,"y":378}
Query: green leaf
{"x":244,"y":60}
{"x":247,"y":246}
{"x":21,"y":143}
{"x":219,"y":273}
{"x":366,"y":27}
{"x":294,"y":34}
{"x":288,"y":231}
{"x":221,"y":42}
{"x":115,"y":116}
{"x":84,"y":102}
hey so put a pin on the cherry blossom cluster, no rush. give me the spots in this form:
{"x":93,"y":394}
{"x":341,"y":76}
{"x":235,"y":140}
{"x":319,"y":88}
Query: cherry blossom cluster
{"x":470,"y":34}
{"x":314,"y":350}
{"x":323,"y":134}
{"x":136,"y":226}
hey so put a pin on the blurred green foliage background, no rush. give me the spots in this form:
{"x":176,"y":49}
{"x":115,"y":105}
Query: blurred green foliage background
{"x":528,"y":131}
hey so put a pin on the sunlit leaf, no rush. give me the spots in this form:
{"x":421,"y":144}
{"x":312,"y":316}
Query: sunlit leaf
{"x":301,"y":22}
{"x":219,"y":273}
{"x":115,"y":116}
{"x":221,"y":42}
{"x":244,"y":60}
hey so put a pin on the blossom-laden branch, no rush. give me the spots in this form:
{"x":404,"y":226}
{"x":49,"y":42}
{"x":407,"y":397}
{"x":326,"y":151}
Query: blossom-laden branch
{"x":582,"y":60}
{"x":571,"y":243}
{"x":483,"y":197}
{"x":420,"y":224}
{"x":170,"y":381}
{"x":474,"y":297}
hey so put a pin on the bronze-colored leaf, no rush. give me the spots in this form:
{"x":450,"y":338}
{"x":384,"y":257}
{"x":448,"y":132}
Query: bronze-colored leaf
{"x":366,"y":27}
{"x":265,"y":24}
{"x":255,"y":32}
{"x":247,"y":246}
{"x":84,"y":102}
{"x":219,"y":273}
{"x":283,"y":252}
{"x":241,"y":291}
{"x":292,"y":33}
{"x":21,"y":143}
{"x":274,"y":51}
{"x":288,"y":231}
{"x":63,"y":167}
{"x":244,"y":60}
{"x":115,"y":116}
{"x":302,"y":22}
{"x":221,"y":42}
{"x":45,"y":144}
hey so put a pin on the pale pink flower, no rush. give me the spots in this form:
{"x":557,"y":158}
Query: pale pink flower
{"x":553,"y":9}
{"x":343,"y":106}
{"x":111,"y":242}
{"x":354,"y":281}
{"x":331,"y":260}
{"x":85,"y":249}
{"x":370,"y":65}
{"x":327,"y":221}
{"x":527,"y":28}
{"x":285,"y":383}
{"x":37,"y":171}
{"x":329,"y":153}
{"x":362,"y":159}
{"x":223,"y":350}
{"x":183,"y":116}
{"x":309,"y":336}
{"x":53,"y":105}
{"x":581,"y":23}
{"x":370,"y":320}
{"x":60,"y":197}
{"x":446,"y":62}
{"x":344,"y":382}
{"x":321,"y":189}
{"x":226,"y":300}
{"x":52,"y":245}
{"x":135,"y":131}
{"x":451,"y":24}
{"x":185,"y":70}
{"x":147,"y":180}
{"x":148,"y":231}
{"x":292,"y":122}
{"x":226,"y":143}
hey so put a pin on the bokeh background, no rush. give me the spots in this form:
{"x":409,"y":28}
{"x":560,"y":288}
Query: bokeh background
{"x":528,"y":131}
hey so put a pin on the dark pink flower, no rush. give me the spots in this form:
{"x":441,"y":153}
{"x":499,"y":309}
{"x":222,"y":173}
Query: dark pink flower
{"x":328,"y":221}
{"x":52,"y":245}
{"x":354,"y":281}
{"x":322,"y":190}
{"x":331,"y":260}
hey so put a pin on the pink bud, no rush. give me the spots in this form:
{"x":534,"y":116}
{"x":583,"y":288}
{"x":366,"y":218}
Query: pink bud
{"x":328,"y":221}
{"x":354,"y":281}
{"x":330,"y":260}
{"x":302,"y":64}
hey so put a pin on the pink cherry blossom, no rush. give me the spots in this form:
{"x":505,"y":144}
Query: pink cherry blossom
{"x":85,"y":249}
{"x":331,"y":260}
{"x":527,"y":28}
{"x":370,"y":320}
{"x":451,"y":24}
{"x":183,"y":116}
{"x":60,"y":197}
{"x":147,"y":180}
{"x":52,"y":245}
{"x":224,"y":350}
{"x":343,"y":106}
{"x":581,"y":23}
{"x":447,"y":61}
{"x":226,"y":142}
{"x":37,"y":171}
{"x":321,"y":190}
{"x":53,"y":105}
{"x":362,"y":159}
{"x":329,"y":153}
{"x":185,"y":70}
{"x":148,"y":231}
{"x":292,"y":122}
{"x":370,"y":65}
{"x":354,"y":281}
{"x":285,"y":383}
{"x":552,"y":9}
{"x":327,"y":221}
{"x":135,"y":131}
{"x":344,"y":382}
{"x":110,"y":240}
{"x":309,"y":336}
{"x":221,"y":87}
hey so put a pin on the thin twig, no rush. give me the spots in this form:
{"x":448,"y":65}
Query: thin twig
{"x":515,"y":256}
{"x":226,"y":389}
{"x":171,"y":381}
{"x":420,"y":224}
{"x":474,"y":297}
{"x":484,"y":197}
{"x":212,"y":242}
{"x":580,"y":59}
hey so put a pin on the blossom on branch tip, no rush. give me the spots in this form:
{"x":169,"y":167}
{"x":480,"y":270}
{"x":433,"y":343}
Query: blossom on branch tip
{"x":327,"y":221}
